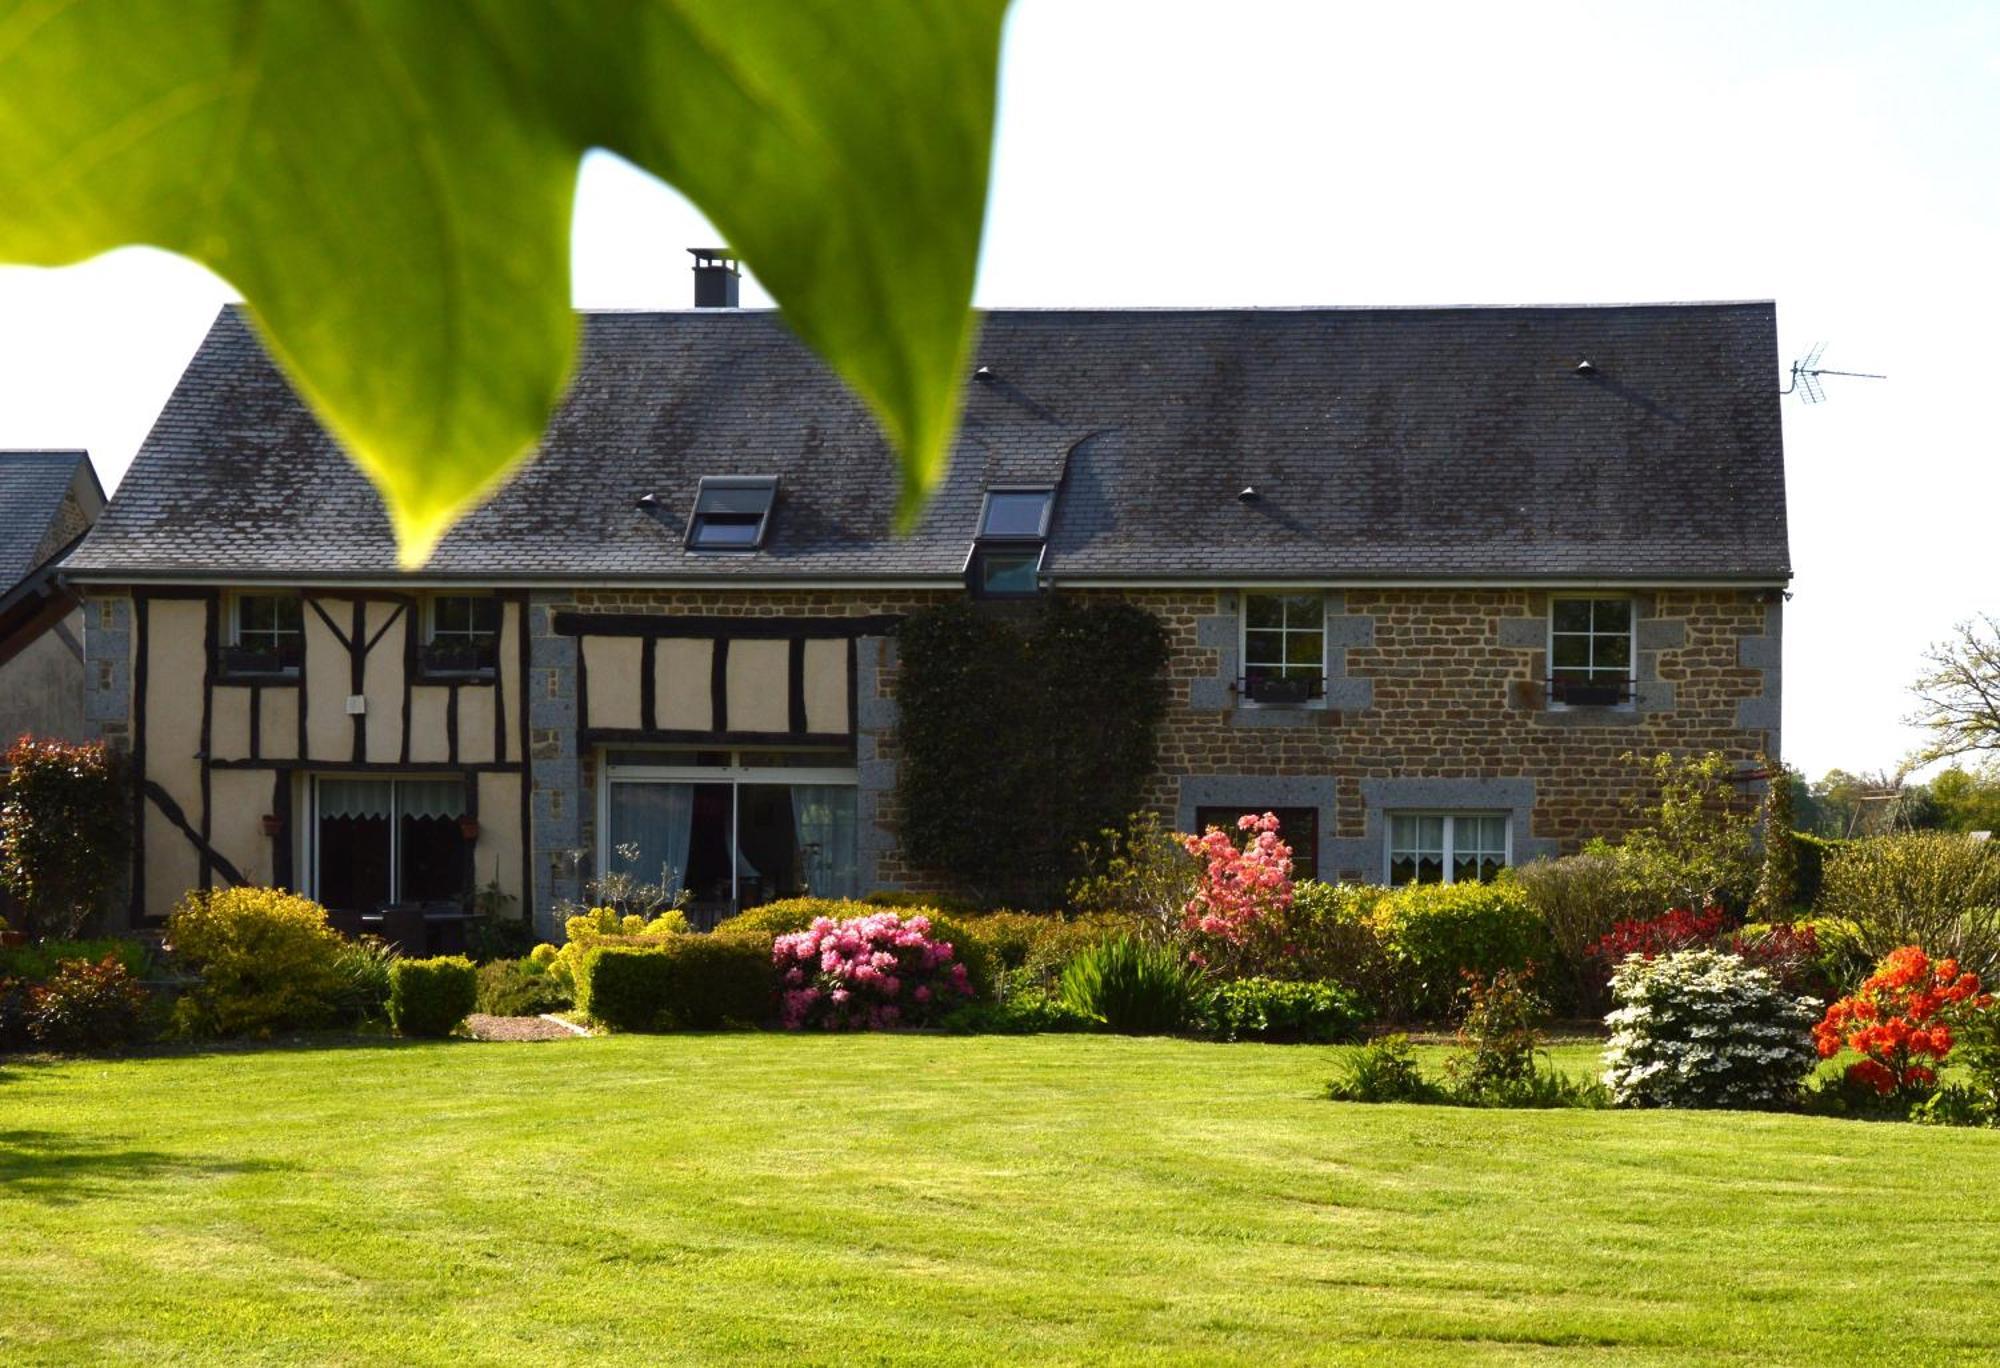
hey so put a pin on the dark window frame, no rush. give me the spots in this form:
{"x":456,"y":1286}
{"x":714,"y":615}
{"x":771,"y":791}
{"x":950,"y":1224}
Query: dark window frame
{"x":1305,"y":853}
{"x":706,"y":513}
{"x":276,"y":652}
{"x":1046,"y":493}
{"x":453,"y":653}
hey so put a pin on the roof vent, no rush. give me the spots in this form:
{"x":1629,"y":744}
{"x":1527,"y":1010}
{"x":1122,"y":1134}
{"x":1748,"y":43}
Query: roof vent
{"x":1584,"y":367}
{"x":984,"y":375}
{"x":716,"y":276}
{"x":1248,"y":494}
{"x":647,"y":502}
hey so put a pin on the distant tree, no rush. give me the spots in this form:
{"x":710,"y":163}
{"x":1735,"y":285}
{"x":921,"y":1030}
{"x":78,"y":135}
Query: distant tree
{"x":1967,"y":800}
{"x":1958,"y":694}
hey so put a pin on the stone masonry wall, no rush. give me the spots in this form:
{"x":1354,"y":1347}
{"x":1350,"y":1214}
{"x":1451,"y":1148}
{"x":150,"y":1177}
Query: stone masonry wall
{"x":1434,"y":700}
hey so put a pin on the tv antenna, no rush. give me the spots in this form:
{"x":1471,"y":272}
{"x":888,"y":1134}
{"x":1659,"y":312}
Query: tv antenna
{"x":1807,"y":370}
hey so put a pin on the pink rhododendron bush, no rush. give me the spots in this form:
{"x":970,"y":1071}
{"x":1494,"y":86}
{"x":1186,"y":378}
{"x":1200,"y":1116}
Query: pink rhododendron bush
{"x":1243,"y":894}
{"x":867,"y":973}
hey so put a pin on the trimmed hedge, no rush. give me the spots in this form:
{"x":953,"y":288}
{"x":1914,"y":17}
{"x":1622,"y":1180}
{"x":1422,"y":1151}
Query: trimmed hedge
{"x":429,"y":997}
{"x":690,"y":983}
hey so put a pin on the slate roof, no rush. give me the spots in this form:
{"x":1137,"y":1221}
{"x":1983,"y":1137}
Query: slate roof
{"x":32,"y":486}
{"x":1383,"y":443}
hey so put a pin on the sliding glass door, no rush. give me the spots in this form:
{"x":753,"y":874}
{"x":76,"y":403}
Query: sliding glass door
{"x":732,"y":836}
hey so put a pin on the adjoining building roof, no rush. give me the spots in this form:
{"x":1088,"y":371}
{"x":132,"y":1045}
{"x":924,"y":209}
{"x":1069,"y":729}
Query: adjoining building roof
{"x":33,"y":485}
{"x":1390,"y":444}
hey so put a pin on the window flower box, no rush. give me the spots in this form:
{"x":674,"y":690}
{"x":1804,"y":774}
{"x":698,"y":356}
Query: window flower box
{"x":1596,"y":693}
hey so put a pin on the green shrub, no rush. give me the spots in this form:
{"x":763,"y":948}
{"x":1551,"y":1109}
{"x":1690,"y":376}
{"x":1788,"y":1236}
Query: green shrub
{"x":65,"y":831}
{"x":1702,"y":1029}
{"x":1434,"y":934}
{"x":1134,"y":988}
{"x":17,"y":1004}
{"x":897,"y":899}
{"x":1330,"y":929}
{"x":1284,"y":1010}
{"x":1940,"y":890}
{"x":1578,"y":899}
{"x":721,"y":980}
{"x":34,"y":961}
{"x":1142,"y":876}
{"x":86,"y":1006}
{"x":1697,"y":843}
{"x":267,"y":960}
{"x":1383,"y":1070}
{"x":1814,"y":853}
{"x":1031,"y":1011}
{"x":1063,"y":941}
{"x":361,"y":980}
{"x":1009,"y":937}
{"x":521,"y":987}
{"x":430,"y":997}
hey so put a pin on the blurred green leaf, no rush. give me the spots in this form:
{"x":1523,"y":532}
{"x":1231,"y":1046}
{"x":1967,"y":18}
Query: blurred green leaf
{"x":389,"y":185}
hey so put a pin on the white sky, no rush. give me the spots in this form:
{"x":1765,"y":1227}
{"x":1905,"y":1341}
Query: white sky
{"x":1840,"y":158}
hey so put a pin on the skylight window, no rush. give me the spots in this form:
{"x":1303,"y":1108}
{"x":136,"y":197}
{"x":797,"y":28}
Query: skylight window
{"x":1016,"y":515}
{"x":731,"y":512}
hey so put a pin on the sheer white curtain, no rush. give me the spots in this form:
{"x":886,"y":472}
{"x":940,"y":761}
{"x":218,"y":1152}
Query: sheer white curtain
{"x":356,"y":798}
{"x":654,"y":821}
{"x":823,"y":816}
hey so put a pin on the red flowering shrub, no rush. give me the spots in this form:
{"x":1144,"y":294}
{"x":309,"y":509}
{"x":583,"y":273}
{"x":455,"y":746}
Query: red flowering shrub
{"x":1680,"y":929}
{"x":1901,"y":1021}
{"x":86,"y":1006}
{"x":1243,"y":892}
{"x":1788,"y":952}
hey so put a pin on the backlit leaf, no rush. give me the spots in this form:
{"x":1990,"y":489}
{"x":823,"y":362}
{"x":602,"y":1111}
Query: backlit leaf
{"x":389,"y":185}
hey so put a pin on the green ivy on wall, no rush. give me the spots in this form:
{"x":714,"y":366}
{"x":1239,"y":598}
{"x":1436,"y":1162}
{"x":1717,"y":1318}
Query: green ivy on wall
{"x":1025,"y":733}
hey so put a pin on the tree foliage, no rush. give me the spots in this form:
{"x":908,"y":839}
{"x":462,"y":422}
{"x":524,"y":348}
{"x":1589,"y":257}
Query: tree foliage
{"x":1024,"y":737}
{"x":1958,"y":693}
{"x":389,"y":185}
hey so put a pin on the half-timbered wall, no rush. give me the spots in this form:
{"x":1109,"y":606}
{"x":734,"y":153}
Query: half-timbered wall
{"x":221,"y":762}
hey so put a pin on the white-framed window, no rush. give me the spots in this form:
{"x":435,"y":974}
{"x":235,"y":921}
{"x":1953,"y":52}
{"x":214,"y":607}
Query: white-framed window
{"x":1447,"y":847}
{"x":266,"y":634}
{"x":1592,"y":646}
{"x":461,"y":634}
{"x":733,"y":829}
{"x":1283,"y":647}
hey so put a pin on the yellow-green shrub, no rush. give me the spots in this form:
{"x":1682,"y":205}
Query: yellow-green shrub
{"x":267,"y":959}
{"x":429,"y":997}
{"x":601,"y":926}
{"x":1431,"y":934}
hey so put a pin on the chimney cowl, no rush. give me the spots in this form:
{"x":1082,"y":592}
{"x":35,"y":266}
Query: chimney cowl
{"x":716,"y":277}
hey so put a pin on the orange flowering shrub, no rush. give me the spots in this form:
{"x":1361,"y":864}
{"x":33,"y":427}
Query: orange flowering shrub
{"x":1901,"y":1020}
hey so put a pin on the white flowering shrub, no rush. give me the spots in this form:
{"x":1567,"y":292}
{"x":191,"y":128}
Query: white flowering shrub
{"x":1705,"y":1029}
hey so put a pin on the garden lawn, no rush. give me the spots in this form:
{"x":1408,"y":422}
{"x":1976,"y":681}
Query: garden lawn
{"x":906,"y":1198}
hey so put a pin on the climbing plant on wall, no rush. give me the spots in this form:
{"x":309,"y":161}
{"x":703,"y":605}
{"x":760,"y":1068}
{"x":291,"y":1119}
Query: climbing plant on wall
{"x":1024,"y":734}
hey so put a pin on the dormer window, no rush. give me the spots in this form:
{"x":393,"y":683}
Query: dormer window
{"x":1006,"y":560}
{"x":731,"y":512}
{"x":1016,"y":514}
